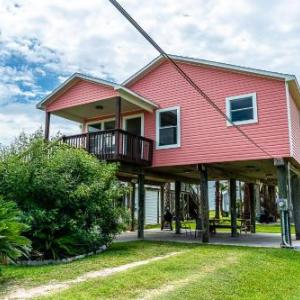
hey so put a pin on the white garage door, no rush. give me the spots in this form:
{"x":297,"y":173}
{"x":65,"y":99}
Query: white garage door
{"x":151,"y":206}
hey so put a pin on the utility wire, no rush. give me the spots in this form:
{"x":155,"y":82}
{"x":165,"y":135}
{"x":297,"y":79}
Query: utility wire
{"x":183,"y":74}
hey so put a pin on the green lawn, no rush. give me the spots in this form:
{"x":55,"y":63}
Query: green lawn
{"x":262,"y":228}
{"x":198,"y":272}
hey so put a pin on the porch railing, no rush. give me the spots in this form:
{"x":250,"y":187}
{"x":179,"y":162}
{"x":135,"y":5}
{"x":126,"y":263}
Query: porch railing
{"x":114,"y":145}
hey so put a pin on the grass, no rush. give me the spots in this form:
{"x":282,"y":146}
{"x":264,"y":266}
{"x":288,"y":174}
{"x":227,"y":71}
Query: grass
{"x":118,"y":254}
{"x":261,"y":228}
{"x":199,"y":272}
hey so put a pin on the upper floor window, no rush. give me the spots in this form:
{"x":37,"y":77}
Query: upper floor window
{"x":241,"y":109}
{"x":168,"y":128}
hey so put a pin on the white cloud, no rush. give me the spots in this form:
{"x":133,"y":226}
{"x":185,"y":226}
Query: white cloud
{"x":92,"y":37}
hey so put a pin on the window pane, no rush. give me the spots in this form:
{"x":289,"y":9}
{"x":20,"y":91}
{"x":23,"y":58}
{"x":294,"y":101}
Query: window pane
{"x":242,"y":115}
{"x":168,"y":118}
{"x":241,"y":103}
{"x":109,"y":125}
{"x":94,"y":127}
{"x":168,"y":136}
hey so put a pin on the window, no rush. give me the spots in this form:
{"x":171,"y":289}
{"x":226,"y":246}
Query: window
{"x":242,"y":109}
{"x":94,"y":127}
{"x":168,"y":128}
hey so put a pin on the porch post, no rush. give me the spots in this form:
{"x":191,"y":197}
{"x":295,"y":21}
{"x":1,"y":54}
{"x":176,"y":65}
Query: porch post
{"x":118,"y":113}
{"x":141,"y":208}
{"x":117,"y":126}
{"x":162,"y":205}
{"x":132,"y":206}
{"x":204,"y":206}
{"x":282,"y":181}
{"x":252,"y":207}
{"x":296,"y":203}
{"x":47,"y":125}
{"x":177,"y":206}
{"x":233,"y":217}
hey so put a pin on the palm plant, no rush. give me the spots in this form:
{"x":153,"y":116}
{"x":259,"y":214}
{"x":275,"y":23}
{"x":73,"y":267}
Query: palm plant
{"x":12,"y":243}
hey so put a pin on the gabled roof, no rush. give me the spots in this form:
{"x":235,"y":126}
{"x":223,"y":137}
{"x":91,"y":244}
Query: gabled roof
{"x":159,"y":59}
{"x":124,"y":92}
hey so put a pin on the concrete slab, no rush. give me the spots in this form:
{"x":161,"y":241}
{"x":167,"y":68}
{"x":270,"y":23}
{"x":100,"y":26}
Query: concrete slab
{"x":266,"y":240}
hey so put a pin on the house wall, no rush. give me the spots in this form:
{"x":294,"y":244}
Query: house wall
{"x":205,"y":137}
{"x":81,"y":93}
{"x":295,"y":129}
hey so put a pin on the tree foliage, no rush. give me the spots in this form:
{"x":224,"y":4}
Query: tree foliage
{"x":67,"y":196}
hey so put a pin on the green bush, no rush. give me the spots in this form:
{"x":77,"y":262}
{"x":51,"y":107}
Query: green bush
{"x":12,"y":243}
{"x":67,"y":196}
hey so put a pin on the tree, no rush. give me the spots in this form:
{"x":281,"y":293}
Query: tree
{"x":67,"y":196}
{"x":12,"y":243}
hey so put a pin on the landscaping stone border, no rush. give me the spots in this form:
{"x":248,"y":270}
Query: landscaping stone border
{"x":58,"y":261}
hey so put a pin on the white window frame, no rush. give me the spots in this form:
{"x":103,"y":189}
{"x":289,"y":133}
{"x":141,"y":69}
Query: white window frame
{"x":254,"y":105}
{"x":102,"y":121}
{"x":125,"y":118}
{"x":177,"y":108}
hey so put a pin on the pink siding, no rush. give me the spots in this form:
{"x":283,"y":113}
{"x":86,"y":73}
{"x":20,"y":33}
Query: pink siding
{"x":205,"y":138}
{"x":80,"y":93}
{"x":295,"y":129}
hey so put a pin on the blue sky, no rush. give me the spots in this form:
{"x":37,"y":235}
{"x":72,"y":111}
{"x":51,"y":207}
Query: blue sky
{"x":44,"y":42}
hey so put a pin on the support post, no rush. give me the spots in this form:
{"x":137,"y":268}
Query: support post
{"x":252,"y":207}
{"x":117,"y":125}
{"x":204,"y":211}
{"x":141,"y":209}
{"x":47,"y":125}
{"x":233,"y":217}
{"x":132,"y":205}
{"x":282,"y":180}
{"x":296,"y":203}
{"x":162,"y":206}
{"x":177,"y":206}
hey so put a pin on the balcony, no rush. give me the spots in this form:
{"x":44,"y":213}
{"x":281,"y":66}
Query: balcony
{"x":114,"y":145}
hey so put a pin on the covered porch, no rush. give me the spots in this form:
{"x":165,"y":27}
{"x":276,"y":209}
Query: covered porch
{"x":111,"y":119}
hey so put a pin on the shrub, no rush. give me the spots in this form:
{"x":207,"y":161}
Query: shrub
{"x":67,"y":196}
{"x":12,"y":243}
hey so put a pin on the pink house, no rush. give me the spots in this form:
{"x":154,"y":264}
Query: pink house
{"x":160,"y":129}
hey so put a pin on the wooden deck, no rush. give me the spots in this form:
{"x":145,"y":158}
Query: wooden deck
{"x":114,"y":145}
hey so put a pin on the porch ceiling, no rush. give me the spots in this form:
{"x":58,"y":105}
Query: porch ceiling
{"x":96,"y":109}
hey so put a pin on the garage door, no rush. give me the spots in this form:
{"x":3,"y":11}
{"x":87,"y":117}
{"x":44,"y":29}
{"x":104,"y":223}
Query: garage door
{"x":151,"y":206}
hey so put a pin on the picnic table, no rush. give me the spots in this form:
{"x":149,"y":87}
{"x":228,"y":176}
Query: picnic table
{"x":242,"y":225}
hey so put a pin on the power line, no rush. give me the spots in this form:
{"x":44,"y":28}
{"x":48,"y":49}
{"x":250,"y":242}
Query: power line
{"x":183,"y":74}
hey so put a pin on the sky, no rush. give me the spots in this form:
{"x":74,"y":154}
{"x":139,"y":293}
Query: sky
{"x":42,"y":42}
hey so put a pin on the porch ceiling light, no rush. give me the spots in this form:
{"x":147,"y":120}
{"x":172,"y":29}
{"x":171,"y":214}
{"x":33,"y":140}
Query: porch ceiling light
{"x":99,"y":107}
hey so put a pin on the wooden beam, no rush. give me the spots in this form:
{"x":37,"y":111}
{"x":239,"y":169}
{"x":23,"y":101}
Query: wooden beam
{"x":295,"y":184}
{"x":118,"y":113}
{"x":162,"y":205}
{"x":132,"y":206}
{"x":233,"y":216}
{"x":252,"y":199}
{"x":47,"y":125}
{"x":282,"y":181}
{"x":141,"y":208}
{"x":204,"y":210}
{"x":177,"y":206}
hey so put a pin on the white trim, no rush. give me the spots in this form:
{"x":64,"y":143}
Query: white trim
{"x":141,"y":115}
{"x":102,"y":121}
{"x":210,"y":63}
{"x":287,"y":95}
{"x":177,"y":108}
{"x":254,"y":103}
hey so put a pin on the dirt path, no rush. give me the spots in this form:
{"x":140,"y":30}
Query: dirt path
{"x":46,"y":289}
{"x":206,"y":270}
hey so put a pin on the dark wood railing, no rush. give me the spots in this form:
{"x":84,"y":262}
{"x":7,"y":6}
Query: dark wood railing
{"x":114,"y":145}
